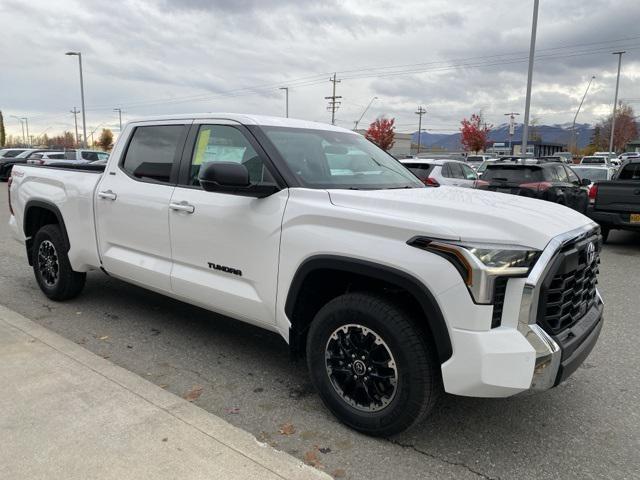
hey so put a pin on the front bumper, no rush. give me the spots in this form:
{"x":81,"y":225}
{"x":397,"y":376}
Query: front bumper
{"x":520,"y":356}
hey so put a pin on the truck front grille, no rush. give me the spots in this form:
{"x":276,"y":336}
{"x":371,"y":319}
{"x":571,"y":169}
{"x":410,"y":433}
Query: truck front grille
{"x":569,"y":290}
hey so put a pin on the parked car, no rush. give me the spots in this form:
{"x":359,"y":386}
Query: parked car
{"x":391,"y":290}
{"x":442,"y":172}
{"x":617,"y":201}
{"x":45,"y":158}
{"x":595,"y":160}
{"x":86,"y":155}
{"x":595,"y":174}
{"x":553,"y":159}
{"x":628,"y":155}
{"x":553,"y":182}
{"x":475,"y":161}
{"x":11,"y":152}
{"x":7,"y":163}
{"x":566,"y":156}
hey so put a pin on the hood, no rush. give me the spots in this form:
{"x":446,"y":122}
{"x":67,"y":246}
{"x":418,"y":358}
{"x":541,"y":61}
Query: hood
{"x":466,"y":214}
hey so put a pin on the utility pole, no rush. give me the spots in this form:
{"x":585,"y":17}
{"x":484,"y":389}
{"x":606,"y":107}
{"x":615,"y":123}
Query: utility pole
{"x":615,"y":100}
{"x":512,"y":128}
{"x":574,"y":141}
{"x":24,"y":142}
{"x":26,"y":122}
{"x":75,"y":112}
{"x":421,"y":111}
{"x":286,"y":100}
{"x":333,"y":103}
{"x":532,"y":52}
{"x":119,"y":110}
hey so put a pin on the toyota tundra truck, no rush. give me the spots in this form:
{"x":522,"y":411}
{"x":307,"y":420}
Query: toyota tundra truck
{"x":391,"y":290}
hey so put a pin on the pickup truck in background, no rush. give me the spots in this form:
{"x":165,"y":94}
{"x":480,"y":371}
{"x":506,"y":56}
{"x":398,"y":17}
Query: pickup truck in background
{"x":392,"y":290}
{"x":617,"y":201}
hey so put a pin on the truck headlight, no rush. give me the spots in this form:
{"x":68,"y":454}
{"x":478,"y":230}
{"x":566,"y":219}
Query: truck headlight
{"x":480,"y":264}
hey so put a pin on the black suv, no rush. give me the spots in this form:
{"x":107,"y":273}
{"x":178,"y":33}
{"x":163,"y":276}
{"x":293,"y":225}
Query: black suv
{"x":554,"y":182}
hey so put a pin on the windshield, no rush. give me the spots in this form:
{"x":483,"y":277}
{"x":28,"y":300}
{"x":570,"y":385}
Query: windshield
{"x":329,"y":159}
{"x":591,"y":173}
{"x":511,"y":174}
{"x":593,"y":160}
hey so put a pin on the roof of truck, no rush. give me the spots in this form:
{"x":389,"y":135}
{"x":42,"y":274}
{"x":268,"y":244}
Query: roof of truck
{"x":248,"y":119}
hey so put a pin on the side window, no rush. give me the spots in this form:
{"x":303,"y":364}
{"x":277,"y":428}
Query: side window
{"x":573,"y":178}
{"x":152,"y":151}
{"x":446,"y":171}
{"x":468,"y":172}
{"x":562,"y":174}
{"x":455,"y":171}
{"x":224,"y":143}
{"x":631,"y":171}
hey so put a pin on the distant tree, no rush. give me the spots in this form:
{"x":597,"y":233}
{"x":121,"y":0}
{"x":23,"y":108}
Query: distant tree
{"x":626,"y":128}
{"x":106,"y":139}
{"x":3,"y":136}
{"x":65,"y":141}
{"x":474,"y":133}
{"x":381,"y":132}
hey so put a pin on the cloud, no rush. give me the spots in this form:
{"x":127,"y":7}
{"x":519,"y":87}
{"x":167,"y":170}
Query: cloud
{"x":161,"y":56}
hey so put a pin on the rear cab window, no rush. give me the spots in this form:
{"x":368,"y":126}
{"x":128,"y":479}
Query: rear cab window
{"x":630,"y":172}
{"x":152,"y":152}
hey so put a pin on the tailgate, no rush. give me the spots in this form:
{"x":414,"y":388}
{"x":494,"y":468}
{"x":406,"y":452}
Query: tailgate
{"x":618,"y":196}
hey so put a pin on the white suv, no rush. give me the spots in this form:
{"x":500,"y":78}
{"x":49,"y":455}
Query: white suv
{"x":434,"y":172}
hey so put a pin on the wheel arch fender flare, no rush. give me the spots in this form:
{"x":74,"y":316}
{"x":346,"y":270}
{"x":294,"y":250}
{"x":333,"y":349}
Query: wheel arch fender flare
{"x":433,"y":316}
{"x":48,"y":206}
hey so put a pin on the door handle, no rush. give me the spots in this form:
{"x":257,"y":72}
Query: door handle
{"x":107,"y":195}
{"x":182,"y":207}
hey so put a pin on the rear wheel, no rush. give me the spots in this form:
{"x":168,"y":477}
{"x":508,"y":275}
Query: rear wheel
{"x":51,"y":266}
{"x":372,"y":366}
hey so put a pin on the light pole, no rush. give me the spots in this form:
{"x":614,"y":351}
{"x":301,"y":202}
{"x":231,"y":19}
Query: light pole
{"x":26,"y":122}
{"x":84,"y":120}
{"x":355,"y":127}
{"x":286,"y":93}
{"x":22,"y":127}
{"x":615,"y":101}
{"x":532,"y":51}
{"x":573,"y":126}
{"x":119,"y":110}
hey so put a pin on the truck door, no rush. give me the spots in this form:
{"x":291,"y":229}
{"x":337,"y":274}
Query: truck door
{"x":132,"y":204}
{"x":226,"y":246}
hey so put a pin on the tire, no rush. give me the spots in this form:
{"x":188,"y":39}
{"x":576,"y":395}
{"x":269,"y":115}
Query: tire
{"x":51,"y":265}
{"x":605,"y":233}
{"x":357,"y":320}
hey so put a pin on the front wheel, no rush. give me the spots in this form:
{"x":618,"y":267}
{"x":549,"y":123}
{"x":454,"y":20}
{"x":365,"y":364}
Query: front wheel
{"x":51,"y":266}
{"x":372,"y":366}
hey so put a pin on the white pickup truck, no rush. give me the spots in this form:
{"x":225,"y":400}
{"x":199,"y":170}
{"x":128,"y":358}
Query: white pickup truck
{"x":392,"y":290}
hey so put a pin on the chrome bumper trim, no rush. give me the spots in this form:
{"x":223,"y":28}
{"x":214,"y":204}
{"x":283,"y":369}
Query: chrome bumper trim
{"x":548,"y":352}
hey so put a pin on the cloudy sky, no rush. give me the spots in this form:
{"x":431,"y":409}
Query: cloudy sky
{"x":454,"y":57}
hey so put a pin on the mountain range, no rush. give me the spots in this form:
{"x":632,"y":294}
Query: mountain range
{"x":548,"y":133}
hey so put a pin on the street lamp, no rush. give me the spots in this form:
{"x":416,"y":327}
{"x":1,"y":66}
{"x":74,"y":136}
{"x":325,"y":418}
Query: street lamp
{"x":573,"y":127}
{"x":84,"y":120}
{"x":119,"y":110}
{"x":355,"y":127}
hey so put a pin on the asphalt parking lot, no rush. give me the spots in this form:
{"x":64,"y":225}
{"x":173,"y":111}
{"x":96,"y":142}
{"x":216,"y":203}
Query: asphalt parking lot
{"x":588,"y":427}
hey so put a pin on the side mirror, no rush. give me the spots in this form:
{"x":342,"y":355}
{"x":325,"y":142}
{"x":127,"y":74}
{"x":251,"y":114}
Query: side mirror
{"x":223,"y":176}
{"x":585,"y":182}
{"x":229,"y":177}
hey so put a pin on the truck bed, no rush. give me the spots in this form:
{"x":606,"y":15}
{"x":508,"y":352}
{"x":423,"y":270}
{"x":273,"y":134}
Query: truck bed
{"x":71,"y":192}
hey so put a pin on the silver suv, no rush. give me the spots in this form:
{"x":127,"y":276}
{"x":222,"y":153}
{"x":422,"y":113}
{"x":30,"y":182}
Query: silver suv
{"x":442,"y":172}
